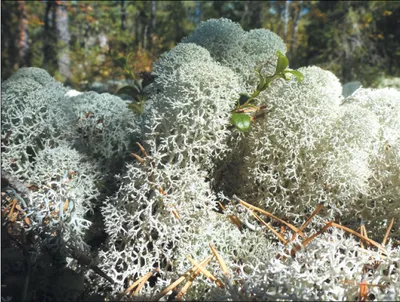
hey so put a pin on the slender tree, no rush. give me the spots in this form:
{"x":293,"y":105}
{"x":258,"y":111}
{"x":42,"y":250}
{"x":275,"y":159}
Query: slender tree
{"x":297,"y":7}
{"x":50,"y":37}
{"x":152,"y":30}
{"x":63,"y":38}
{"x":23,"y":43}
{"x":123,"y":15}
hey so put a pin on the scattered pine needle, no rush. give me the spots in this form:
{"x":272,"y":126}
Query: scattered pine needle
{"x":187,"y":285}
{"x":143,"y":150}
{"x":388,"y":232}
{"x":280,"y":237}
{"x":309,"y":239}
{"x":137,"y":282}
{"x":145,"y":278}
{"x":352,"y":282}
{"x":175,"y":212}
{"x":191,"y":279}
{"x":305,"y":224}
{"x":65,"y":206}
{"x":206,"y":273}
{"x":316,"y":211}
{"x":180,"y":280}
{"x":220,"y":260}
{"x":161,"y":190}
{"x":363,"y":294}
{"x":19,"y":208}
{"x":10,"y":215}
{"x":234,"y":219}
{"x":141,"y":160}
{"x":282,"y":231}
{"x":363,"y":231}
{"x":370,"y":241}
{"x":249,"y":206}
{"x":27,"y":221}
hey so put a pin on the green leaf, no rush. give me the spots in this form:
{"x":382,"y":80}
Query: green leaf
{"x":129,"y":55}
{"x":283,"y":62}
{"x":130,"y":90}
{"x":260,"y":85}
{"x":148,"y":78}
{"x":241,"y":121}
{"x":121,"y":61}
{"x":135,"y":108}
{"x":297,"y":74}
{"x":243,"y":98}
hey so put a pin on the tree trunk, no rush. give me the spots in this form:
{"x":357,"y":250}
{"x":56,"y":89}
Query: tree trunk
{"x":253,"y":10}
{"x":279,"y":13}
{"x":137,"y":30}
{"x":63,"y":38}
{"x":197,"y":12}
{"x":286,"y":20}
{"x":298,"y":7}
{"x":9,"y":47}
{"x":123,"y":15}
{"x":23,"y":45}
{"x":245,"y":12}
{"x":143,"y":21}
{"x":152,"y":30}
{"x":50,"y":38}
{"x":153,"y":15}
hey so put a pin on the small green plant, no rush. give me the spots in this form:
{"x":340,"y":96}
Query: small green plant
{"x":135,"y":91}
{"x":245,"y":104}
{"x":240,"y":119}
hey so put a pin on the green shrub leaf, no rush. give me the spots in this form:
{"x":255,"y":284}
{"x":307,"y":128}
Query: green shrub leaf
{"x":132,"y":91}
{"x":241,"y":121}
{"x":297,"y":74}
{"x":283,"y":62}
{"x":243,"y":98}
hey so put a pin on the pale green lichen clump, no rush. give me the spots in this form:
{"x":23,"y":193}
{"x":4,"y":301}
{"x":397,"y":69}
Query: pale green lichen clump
{"x":312,"y":147}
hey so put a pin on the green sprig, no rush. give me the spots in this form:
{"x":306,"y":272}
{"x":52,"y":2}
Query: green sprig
{"x":241,"y":120}
{"x":135,"y":91}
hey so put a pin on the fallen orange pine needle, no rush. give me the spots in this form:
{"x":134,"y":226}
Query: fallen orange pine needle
{"x":370,"y":241}
{"x":388,"y":232}
{"x":143,"y":150}
{"x":145,"y":278}
{"x":180,"y":280}
{"x":220,"y":260}
{"x":280,"y":237}
{"x":234,"y":219}
{"x":189,"y":282}
{"x":309,"y":239}
{"x":206,"y":273}
{"x":12,"y":217}
{"x":249,"y":206}
{"x":141,"y":160}
{"x":316,"y":211}
{"x":141,"y":281}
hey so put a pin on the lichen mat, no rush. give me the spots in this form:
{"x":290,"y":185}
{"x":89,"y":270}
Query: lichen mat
{"x":202,"y":209}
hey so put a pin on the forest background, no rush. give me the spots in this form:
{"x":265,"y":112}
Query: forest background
{"x":358,"y":41}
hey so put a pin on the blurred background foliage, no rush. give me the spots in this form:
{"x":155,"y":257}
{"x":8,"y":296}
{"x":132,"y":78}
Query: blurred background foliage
{"x":358,"y":41}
